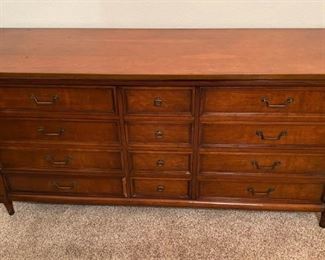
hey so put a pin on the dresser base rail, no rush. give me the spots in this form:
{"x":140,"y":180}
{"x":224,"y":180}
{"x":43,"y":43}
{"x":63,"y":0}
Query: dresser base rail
{"x":220,"y":203}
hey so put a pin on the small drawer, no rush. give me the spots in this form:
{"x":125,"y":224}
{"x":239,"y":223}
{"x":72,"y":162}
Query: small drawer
{"x":173,"y":133}
{"x":60,"y":131}
{"x":55,"y":99}
{"x":158,"y":101}
{"x":263,"y":100}
{"x":160,"y":162}
{"x":60,"y":159}
{"x":160,"y":188}
{"x":261,"y":162}
{"x":268,"y":133}
{"x":290,"y":191}
{"x":66,"y":185}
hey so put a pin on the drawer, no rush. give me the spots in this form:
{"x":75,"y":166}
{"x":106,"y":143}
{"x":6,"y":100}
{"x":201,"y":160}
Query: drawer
{"x":173,"y":133}
{"x":59,"y":131}
{"x":269,"y":133}
{"x":263,"y":100}
{"x":66,"y":185}
{"x":60,"y":159}
{"x":270,"y":162}
{"x":55,"y":99}
{"x":160,"y":162}
{"x":160,"y":188}
{"x":158,"y":101}
{"x":290,"y":191}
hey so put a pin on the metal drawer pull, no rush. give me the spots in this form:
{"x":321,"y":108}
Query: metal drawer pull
{"x":159,"y":134}
{"x":55,"y":98}
{"x":160,"y":188}
{"x":285,"y":104}
{"x":277,"y":138}
{"x":266,"y":193}
{"x":64,"y":187}
{"x":160,"y":163}
{"x":266,"y":167}
{"x":58,"y":133}
{"x":157,"y":102}
{"x":65,"y":162}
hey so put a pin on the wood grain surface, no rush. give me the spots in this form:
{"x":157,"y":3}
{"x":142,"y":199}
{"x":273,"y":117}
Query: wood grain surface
{"x":165,"y":53}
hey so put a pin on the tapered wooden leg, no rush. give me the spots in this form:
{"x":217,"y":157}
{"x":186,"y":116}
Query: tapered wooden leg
{"x":322,"y":220}
{"x":10,"y":207}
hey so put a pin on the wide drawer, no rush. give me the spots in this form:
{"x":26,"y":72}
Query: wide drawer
{"x":270,"y":133}
{"x":60,"y":159}
{"x":270,"y":190}
{"x":263,"y":100}
{"x":173,"y":133}
{"x":264,"y":162}
{"x":160,"y":162}
{"x":62,"y":184}
{"x":55,"y":99}
{"x":160,"y":188}
{"x":158,"y":101}
{"x":59,"y":131}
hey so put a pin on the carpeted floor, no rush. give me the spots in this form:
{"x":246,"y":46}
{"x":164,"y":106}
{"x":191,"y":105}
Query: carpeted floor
{"x":42,"y":231}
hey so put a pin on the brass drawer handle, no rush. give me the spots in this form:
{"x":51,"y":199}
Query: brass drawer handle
{"x":43,"y":132}
{"x":160,"y":163}
{"x":276,"y":138}
{"x":70,"y":187}
{"x":157,"y":102}
{"x":65,"y":162}
{"x":160,"y":188}
{"x":159,"y":134}
{"x":266,"y":167}
{"x":55,"y":98}
{"x":285,"y":104}
{"x":266,"y":193}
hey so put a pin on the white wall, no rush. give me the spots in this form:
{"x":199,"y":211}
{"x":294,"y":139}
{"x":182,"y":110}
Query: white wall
{"x":162,"y":13}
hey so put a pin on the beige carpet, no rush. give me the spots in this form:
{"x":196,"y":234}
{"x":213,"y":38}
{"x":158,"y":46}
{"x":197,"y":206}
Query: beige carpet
{"x":42,"y":231}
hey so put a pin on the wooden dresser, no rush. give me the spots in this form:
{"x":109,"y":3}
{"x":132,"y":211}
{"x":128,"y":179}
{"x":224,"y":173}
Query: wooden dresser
{"x":191,"y":118}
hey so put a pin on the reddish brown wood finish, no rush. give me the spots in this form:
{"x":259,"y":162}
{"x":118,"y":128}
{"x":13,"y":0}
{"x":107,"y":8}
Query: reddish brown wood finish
{"x":57,"y":99}
{"x":160,"y":188}
{"x":61,"y":159}
{"x":59,"y":131}
{"x":215,"y":188}
{"x":194,"y":118}
{"x":263,"y":100}
{"x":273,"y":162}
{"x":171,"y":54}
{"x":158,"y":101}
{"x":160,"y":162}
{"x":263,"y":133}
{"x":90,"y":185}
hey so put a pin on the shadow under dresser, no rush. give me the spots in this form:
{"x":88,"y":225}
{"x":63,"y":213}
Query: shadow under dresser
{"x":191,"y":118}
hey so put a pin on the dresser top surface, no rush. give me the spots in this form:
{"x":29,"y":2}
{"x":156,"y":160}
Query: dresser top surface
{"x":163,"y":53}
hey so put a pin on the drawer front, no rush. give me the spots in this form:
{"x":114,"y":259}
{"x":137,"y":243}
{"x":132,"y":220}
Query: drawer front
{"x":160,"y":161}
{"x":158,"y":101}
{"x":66,"y":185}
{"x":59,"y":131}
{"x":161,"y":188}
{"x":263,"y":133}
{"x":273,"y":162}
{"x":263,"y":100}
{"x":159,"y":133}
{"x":68,"y":159}
{"x":292,"y":191}
{"x":58,"y":99}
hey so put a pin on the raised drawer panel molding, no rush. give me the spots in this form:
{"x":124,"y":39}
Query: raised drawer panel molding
{"x":191,"y":118}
